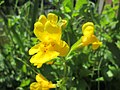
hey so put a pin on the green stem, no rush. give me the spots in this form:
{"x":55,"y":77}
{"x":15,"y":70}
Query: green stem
{"x":99,"y":73}
{"x":27,"y":65}
{"x":68,"y":54}
{"x":65,"y":69}
{"x":64,"y":79}
{"x":74,"y":47}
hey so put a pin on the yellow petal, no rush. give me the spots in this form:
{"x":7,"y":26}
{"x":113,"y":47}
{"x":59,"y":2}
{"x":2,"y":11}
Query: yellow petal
{"x":34,"y":59}
{"x":61,"y":47}
{"x":35,"y":86}
{"x":40,"y":78}
{"x":64,"y":48}
{"x":86,"y":40}
{"x":45,"y":89}
{"x":52,"y":85}
{"x":95,"y":45}
{"x":87,"y":24}
{"x":49,"y":55}
{"x":53,"y":30}
{"x":39,"y":65}
{"x":42,"y":19}
{"x":45,"y":36}
{"x":52,"y":17}
{"x":34,"y":49}
{"x":39,"y":26}
{"x":43,"y":57}
{"x":44,"y":82}
{"x":38,"y":29}
{"x":94,"y":39}
{"x":47,"y":84}
{"x":88,"y":29}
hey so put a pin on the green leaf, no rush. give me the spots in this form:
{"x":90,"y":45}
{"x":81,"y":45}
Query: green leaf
{"x":107,"y":37}
{"x":109,"y":73}
{"x":2,"y":2}
{"x":79,"y":4}
{"x":100,"y":79}
{"x":24,"y":68}
{"x":118,"y":44}
{"x":25,"y":82}
{"x":67,"y":9}
{"x":68,"y":5}
{"x":73,"y":88}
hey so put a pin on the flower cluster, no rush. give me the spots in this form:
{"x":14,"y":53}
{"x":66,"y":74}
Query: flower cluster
{"x":89,"y":37}
{"x":41,"y":84}
{"x":49,"y":31}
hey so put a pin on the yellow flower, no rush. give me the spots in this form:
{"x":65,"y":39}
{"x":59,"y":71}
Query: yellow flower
{"x":48,"y":28}
{"x":41,"y":84}
{"x":47,"y":51}
{"x":95,"y":45}
{"x":89,"y":37}
{"x":49,"y":32}
{"x":88,"y":29}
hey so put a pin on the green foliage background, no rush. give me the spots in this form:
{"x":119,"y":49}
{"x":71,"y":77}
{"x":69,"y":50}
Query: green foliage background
{"x":86,"y":69}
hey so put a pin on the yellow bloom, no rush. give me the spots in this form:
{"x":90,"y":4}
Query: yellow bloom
{"x":89,"y":37}
{"x":48,"y":28}
{"x":49,"y":32}
{"x":95,"y":45}
{"x":88,"y":29}
{"x":41,"y":84}
{"x":47,"y":51}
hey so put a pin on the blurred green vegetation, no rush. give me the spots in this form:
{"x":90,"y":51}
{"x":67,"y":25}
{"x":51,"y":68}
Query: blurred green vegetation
{"x":86,"y":69}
